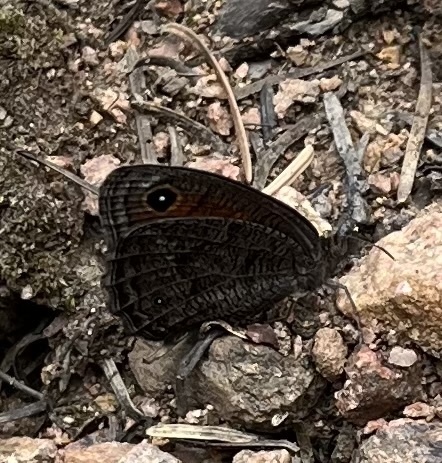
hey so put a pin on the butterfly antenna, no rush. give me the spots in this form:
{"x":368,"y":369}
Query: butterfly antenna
{"x":74,"y":178}
{"x":367,"y":241}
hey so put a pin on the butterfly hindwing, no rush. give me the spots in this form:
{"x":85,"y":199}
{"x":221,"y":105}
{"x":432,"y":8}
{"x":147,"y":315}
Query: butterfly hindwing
{"x":175,"y":273}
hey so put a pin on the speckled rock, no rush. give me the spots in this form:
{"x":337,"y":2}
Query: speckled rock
{"x":374,"y":389}
{"x":25,"y":450}
{"x":329,"y":353}
{"x":404,"y":294}
{"x":273,"y":456}
{"x":403,"y":441}
{"x":254,"y":386}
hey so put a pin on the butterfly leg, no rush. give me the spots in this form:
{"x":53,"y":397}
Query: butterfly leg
{"x":336,"y":285}
{"x":189,"y":362}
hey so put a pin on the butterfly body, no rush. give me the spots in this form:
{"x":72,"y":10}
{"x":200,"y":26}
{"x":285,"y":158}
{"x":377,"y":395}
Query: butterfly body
{"x":186,"y":246}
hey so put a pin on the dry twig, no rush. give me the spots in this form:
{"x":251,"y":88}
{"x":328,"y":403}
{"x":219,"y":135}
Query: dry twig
{"x":144,"y":130}
{"x":176,"y":152}
{"x":189,"y":35}
{"x":255,"y":87}
{"x":418,"y":129}
{"x":218,"y":436}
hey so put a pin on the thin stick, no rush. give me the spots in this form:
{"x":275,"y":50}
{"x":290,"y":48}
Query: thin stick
{"x":20,"y":386}
{"x":144,"y":130}
{"x":266,"y":159}
{"x":299,"y":73}
{"x":292,"y":171}
{"x":189,"y":35}
{"x":176,"y":152}
{"x":418,"y":129}
{"x":188,"y":125}
{"x":75,"y":178}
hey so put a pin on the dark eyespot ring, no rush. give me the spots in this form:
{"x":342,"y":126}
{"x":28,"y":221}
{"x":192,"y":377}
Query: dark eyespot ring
{"x":158,"y":301}
{"x":161,"y":199}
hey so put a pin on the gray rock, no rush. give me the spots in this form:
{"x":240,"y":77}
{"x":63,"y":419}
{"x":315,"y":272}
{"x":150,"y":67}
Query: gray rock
{"x":255,"y":386}
{"x":403,"y":441}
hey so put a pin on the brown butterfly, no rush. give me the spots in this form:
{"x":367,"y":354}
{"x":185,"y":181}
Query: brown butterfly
{"x":187,"y":246}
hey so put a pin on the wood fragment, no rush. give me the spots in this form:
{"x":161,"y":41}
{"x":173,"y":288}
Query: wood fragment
{"x":176,"y":151}
{"x":299,"y":73}
{"x":267,"y":110}
{"x":218,"y":436}
{"x":144,"y":129}
{"x":23,"y":412}
{"x":418,"y":129}
{"x":125,"y":23}
{"x":292,"y":171}
{"x":188,"y":125}
{"x":193,"y":38}
{"x":354,"y":179}
{"x":267,"y":159}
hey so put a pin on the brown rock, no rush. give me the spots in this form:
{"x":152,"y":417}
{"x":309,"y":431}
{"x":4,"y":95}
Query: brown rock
{"x":403,"y":441}
{"x":374,"y":390}
{"x":291,"y":90}
{"x":155,"y":365}
{"x":251,"y":116}
{"x":109,"y":452}
{"x":329,"y":352}
{"x":144,"y":452}
{"x":419,"y":410}
{"x":218,"y":165}
{"x":254,"y":385}
{"x":219,"y":118}
{"x":404,"y":293}
{"x":298,"y":201}
{"x":273,"y":456}
{"x":95,"y":171}
{"x":27,"y":450}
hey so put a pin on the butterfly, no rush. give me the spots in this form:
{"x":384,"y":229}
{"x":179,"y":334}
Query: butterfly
{"x":187,"y":246}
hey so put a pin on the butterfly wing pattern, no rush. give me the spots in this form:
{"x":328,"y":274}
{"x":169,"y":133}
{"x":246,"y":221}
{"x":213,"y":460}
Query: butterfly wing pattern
{"x":187,"y":246}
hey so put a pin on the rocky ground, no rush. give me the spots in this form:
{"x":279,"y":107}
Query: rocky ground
{"x":342,"y":383}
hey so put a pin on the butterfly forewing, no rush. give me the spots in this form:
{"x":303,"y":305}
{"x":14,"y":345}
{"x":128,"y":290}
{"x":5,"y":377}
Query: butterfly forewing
{"x":124,"y":202}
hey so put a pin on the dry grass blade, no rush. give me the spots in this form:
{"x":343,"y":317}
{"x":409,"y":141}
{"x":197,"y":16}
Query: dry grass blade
{"x":120,"y":390}
{"x":190,"y":431}
{"x":418,"y":129}
{"x":190,"y":36}
{"x":292,"y":171}
{"x":216,"y":435}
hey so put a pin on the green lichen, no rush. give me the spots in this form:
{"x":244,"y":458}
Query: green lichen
{"x":41,"y":246}
{"x":29,"y":38}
